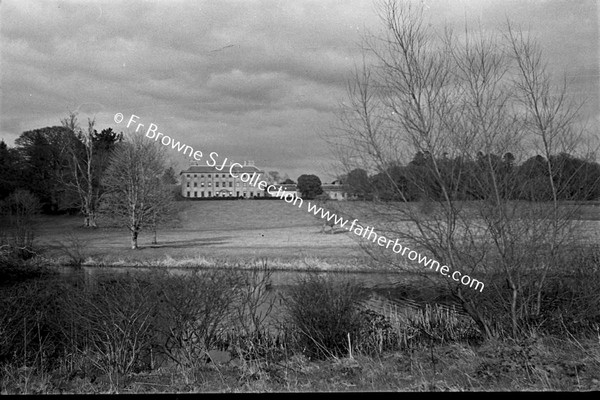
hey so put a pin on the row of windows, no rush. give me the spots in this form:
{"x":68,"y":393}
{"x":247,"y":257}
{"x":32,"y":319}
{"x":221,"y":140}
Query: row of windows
{"x":210,"y":175}
{"x":224,"y":184}
{"x":209,"y":194}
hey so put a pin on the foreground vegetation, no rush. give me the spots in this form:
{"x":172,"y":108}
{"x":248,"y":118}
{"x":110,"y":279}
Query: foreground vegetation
{"x":227,"y":330}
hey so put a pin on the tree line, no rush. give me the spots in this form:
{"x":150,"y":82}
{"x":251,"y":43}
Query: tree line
{"x":70,"y":169}
{"x":472,"y":178}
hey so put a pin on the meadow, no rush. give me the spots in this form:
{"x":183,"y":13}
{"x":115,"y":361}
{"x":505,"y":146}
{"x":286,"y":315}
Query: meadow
{"x":200,"y":231}
{"x":204,"y":230}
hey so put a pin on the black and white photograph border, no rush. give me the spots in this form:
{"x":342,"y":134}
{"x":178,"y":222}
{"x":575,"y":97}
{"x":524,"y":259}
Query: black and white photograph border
{"x":267,"y":196}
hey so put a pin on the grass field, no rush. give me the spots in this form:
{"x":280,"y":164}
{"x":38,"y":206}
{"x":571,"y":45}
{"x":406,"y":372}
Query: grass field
{"x":209,"y":229}
{"x":233,"y":230}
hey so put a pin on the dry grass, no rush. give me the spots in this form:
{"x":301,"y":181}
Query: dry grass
{"x":539,"y":365}
{"x":211,"y":230}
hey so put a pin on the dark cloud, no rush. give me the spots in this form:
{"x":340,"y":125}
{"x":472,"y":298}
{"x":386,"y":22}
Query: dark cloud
{"x":250,"y":79}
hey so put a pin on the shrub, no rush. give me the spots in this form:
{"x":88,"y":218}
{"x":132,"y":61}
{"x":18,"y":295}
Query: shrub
{"x":29,"y":324}
{"x":20,"y":209}
{"x":74,"y":248}
{"x":324,"y":311}
{"x":112,"y":322}
{"x":571,"y":300}
{"x":195,"y":311}
{"x":252,"y":334}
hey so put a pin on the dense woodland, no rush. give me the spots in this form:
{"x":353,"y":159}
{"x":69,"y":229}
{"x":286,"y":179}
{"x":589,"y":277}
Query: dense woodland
{"x":48,"y":162}
{"x":469,"y":179}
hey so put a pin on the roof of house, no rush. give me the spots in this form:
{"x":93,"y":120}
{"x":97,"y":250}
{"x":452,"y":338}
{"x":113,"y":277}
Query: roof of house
{"x":334,"y":187}
{"x":195,"y":169}
{"x":287,"y":186}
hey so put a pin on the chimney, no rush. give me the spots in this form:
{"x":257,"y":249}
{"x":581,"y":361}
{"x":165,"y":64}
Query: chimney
{"x":245,"y":163}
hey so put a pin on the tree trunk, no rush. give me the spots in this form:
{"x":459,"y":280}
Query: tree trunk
{"x":92,"y":220}
{"x":89,"y":219}
{"x":134,"y":240}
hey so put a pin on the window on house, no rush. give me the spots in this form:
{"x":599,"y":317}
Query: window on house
{"x":209,"y":194}
{"x":230,"y":184}
{"x":195,"y":176}
{"x":195,"y":184}
{"x":209,"y":185}
{"x":216,"y":184}
{"x":201,"y":175}
{"x":188,"y":184}
{"x":188,"y":194}
{"x":202,"y":184}
{"x":195,"y":194}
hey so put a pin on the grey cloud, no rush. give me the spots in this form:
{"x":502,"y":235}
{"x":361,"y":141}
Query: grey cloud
{"x":254,"y":79}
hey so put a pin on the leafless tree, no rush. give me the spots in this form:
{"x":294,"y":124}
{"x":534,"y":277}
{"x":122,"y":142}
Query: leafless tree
{"x":461,"y":97}
{"x":83,"y":169}
{"x":136,"y":193}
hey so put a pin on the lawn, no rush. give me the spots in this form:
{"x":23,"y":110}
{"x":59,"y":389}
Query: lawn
{"x":237,"y":229}
{"x":234,"y":230}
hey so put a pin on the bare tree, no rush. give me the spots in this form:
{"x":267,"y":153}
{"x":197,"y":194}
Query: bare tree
{"x":136,"y":194}
{"x":82,"y":167}
{"x":460,"y":102}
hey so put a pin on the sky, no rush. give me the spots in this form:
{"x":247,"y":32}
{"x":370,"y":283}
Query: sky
{"x":250,"y":80}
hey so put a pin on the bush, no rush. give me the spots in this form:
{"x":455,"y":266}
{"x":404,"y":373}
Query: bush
{"x":20,"y":210}
{"x":74,"y":249}
{"x":571,"y":300}
{"x":252,"y":335}
{"x":30,"y":321}
{"x":105,"y":323}
{"x":195,"y":311}
{"x":324,"y":311}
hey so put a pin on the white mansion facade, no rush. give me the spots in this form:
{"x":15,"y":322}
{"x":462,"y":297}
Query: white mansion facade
{"x":202,"y":181}
{"x":240,"y":181}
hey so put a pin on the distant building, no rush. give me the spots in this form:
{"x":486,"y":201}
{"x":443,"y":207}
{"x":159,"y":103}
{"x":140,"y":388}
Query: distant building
{"x":286,"y":189}
{"x":202,"y":181}
{"x":336,"y":190}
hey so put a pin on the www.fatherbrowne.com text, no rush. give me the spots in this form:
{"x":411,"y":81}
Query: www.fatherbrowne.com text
{"x":254,"y":180}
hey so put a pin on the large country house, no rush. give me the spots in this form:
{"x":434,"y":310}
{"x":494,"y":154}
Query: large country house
{"x":202,"y":181}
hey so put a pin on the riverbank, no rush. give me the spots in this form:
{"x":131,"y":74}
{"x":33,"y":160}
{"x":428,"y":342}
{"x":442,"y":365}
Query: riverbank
{"x":76,"y":334}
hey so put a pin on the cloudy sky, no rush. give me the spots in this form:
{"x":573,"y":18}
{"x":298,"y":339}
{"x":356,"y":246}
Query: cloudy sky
{"x":251,"y":80}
